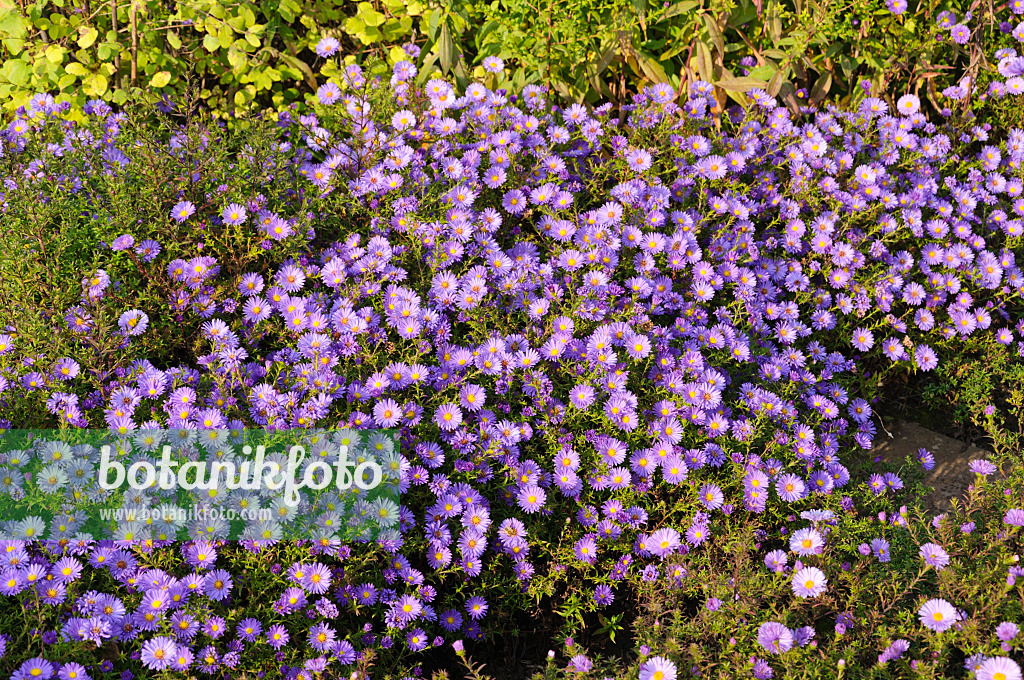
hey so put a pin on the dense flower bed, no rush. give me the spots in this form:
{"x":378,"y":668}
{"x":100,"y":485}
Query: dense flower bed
{"x":620,"y":355}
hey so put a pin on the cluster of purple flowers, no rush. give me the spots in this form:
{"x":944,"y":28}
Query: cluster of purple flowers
{"x":552,"y":348}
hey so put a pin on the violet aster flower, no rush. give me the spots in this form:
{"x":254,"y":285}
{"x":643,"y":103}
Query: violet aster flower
{"x":998,"y":668}
{"x":658,"y":668}
{"x":476,"y":607}
{"x":960,"y":34}
{"x":493,"y":64}
{"x":982,"y":467}
{"x":937,"y":615}
{"x":809,"y":582}
{"x":133,"y":322}
{"x":158,"y":653}
{"x":328,"y":93}
{"x":248,"y":629}
{"x":234,"y":214}
{"x":1007,"y":631}
{"x":806,"y":542}
{"x":775,"y":637}
{"x":1014,"y":517}
{"x":277,"y":636}
{"x":327,"y":47}
{"x":123,"y":242}
{"x":218,"y":584}
{"x":934,"y":556}
{"x":182,"y":210}
{"x":35,"y":668}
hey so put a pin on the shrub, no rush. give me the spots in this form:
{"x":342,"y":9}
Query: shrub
{"x":250,"y":56}
{"x":676,"y":324}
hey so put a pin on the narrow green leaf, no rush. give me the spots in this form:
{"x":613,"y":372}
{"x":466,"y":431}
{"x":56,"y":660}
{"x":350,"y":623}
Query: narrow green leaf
{"x":740,"y":84}
{"x":680,"y":8}
{"x":447,"y":48}
{"x":821,"y":87}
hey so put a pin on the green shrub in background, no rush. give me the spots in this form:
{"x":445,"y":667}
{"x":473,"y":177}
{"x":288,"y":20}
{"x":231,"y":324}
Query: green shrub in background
{"x":244,"y":55}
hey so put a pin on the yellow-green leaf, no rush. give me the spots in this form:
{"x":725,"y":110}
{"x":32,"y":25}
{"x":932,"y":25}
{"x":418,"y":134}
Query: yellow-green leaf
{"x":77,"y":69}
{"x":55,"y":54}
{"x":397,"y":54}
{"x":160,"y":79}
{"x":98,"y":83}
{"x":740,"y":84}
{"x":88,"y":37}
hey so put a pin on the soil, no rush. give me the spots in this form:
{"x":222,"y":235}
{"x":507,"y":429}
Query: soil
{"x":951,"y":475}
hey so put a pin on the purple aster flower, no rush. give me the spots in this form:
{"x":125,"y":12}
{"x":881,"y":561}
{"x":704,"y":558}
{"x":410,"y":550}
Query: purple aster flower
{"x":476,"y":607}
{"x":217,"y":585}
{"x":1014,"y":517}
{"x":809,"y":582}
{"x":248,"y":629}
{"x":493,"y":64}
{"x":934,"y":556}
{"x":658,"y":668}
{"x":998,"y":668}
{"x":775,"y":637}
{"x":158,"y":653}
{"x":328,"y":94}
{"x":1007,"y":631}
{"x":448,"y":417}
{"x":37,"y":668}
{"x":938,"y":615}
{"x":327,"y":47}
{"x":277,"y":636}
{"x":234,"y":214}
{"x":123,"y":242}
{"x":182,"y":211}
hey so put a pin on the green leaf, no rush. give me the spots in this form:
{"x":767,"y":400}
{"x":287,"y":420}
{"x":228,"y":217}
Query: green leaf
{"x":225,"y":37}
{"x":775,"y":84}
{"x":821,"y":87}
{"x":17,"y":72}
{"x":369,"y":15}
{"x":447,"y":48}
{"x":680,"y":8}
{"x":396,"y":28}
{"x":88,"y":37}
{"x":77,"y":69}
{"x":397,"y":54}
{"x":717,"y":39}
{"x":432,"y":23}
{"x":211,"y":43}
{"x":762,"y":72}
{"x":160,"y":79}
{"x":484,"y":32}
{"x":704,"y":63}
{"x":651,"y":68}
{"x":55,"y":54}
{"x":740,"y":84}
{"x":98,"y":82}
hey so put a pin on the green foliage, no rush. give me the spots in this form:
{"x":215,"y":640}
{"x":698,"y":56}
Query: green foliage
{"x":250,"y":55}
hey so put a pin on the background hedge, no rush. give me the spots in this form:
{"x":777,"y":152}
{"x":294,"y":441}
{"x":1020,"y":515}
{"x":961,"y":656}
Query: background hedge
{"x":244,"y":55}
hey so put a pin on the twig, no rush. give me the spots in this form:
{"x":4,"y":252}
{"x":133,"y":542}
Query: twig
{"x":113,"y":27}
{"x":133,"y":15}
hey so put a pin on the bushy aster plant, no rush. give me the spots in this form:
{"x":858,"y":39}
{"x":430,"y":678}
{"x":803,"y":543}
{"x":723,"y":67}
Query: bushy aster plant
{"x":628,"y":357}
